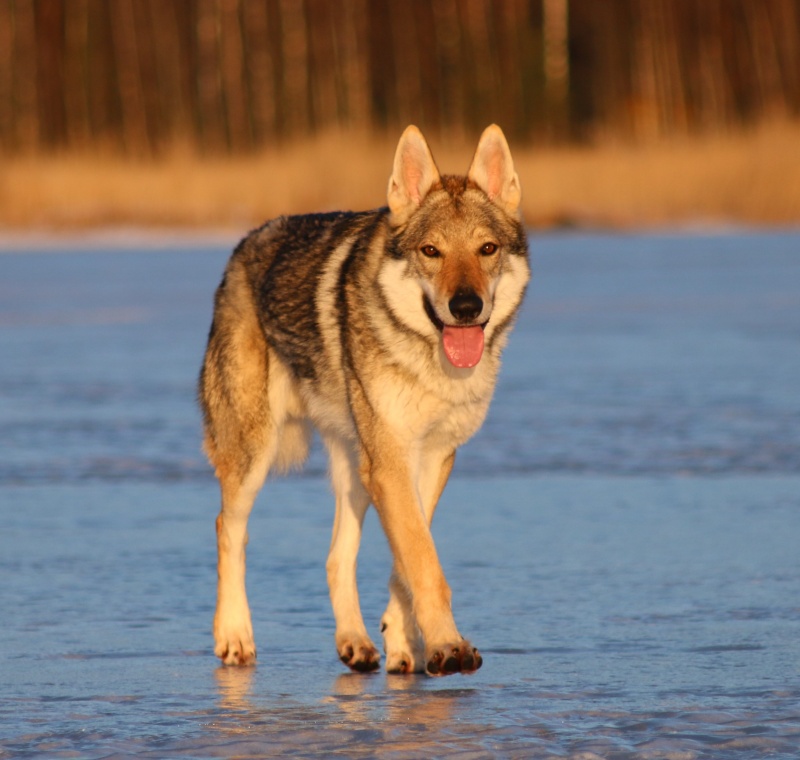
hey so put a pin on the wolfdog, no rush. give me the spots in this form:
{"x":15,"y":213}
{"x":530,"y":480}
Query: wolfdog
{"x":383,"y":329}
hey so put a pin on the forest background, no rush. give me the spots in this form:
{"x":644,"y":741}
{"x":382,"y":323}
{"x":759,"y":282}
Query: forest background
{"x":222,"y":113}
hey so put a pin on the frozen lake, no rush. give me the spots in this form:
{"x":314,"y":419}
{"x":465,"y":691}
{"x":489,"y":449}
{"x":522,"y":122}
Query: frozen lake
{"x":622,"y":537}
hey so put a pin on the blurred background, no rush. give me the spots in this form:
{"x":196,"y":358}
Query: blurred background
{"x":226,"y":111}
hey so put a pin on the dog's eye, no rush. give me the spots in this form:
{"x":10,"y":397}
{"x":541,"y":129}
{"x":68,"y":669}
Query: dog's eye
{"x":487,"y":249}
{"x":430,"y":251}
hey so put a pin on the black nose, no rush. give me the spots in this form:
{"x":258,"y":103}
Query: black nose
{"x":465,"y":305}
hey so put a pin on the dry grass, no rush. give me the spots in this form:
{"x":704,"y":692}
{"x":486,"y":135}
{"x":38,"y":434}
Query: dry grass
{"x":748,"y":178}
{"x":752,"y":178}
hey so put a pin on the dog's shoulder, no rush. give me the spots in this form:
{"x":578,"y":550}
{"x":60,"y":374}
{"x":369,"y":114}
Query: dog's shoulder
{"x":289,"y":262}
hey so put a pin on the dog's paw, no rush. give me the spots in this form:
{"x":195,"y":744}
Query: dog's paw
{"x":403,"y":663}
{"x":236,"y":650}
{"x":405,"y":651}
{"x":234,"y":643}
{"x":453,"y":658}
{"x":359,"y":654}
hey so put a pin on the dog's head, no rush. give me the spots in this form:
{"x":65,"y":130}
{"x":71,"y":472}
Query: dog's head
{"x":462,"y":241}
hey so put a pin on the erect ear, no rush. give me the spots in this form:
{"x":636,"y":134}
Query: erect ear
{"x":493,"y":170}
{"x":413,"y":175}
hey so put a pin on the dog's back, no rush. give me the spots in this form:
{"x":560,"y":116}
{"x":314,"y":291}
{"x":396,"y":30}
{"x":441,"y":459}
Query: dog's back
{"x":278,"y":321}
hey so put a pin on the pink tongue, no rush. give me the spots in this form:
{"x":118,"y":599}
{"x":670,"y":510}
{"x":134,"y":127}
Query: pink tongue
{"x":463,"y":345}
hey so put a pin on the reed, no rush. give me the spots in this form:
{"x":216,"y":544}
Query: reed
{"x":750,"y":178}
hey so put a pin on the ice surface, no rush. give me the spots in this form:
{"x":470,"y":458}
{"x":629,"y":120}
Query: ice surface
{"x":621,"y":537}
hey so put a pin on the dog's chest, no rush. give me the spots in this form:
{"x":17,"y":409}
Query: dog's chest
{"x":444,"y":415}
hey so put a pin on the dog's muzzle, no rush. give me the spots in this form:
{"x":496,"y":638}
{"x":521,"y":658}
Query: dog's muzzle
{"x":462,"y":344}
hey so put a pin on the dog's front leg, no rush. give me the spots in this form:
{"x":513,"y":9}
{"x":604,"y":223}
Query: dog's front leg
{"x":405,"y":649}
{"x":388,"y":474}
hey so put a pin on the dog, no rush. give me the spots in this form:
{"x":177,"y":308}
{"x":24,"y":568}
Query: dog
{"x":383,"y":329}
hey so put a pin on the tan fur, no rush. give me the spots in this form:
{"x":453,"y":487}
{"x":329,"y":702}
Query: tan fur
{"x":323,"y":321}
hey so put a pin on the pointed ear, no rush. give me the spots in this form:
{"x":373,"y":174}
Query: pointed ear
{"x":492,"y":170}
{"x":413,"y":175}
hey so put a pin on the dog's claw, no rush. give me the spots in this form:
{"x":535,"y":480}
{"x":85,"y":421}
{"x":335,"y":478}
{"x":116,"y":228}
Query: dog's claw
{"x":400,"y":668}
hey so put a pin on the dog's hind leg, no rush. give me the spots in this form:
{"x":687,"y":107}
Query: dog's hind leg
{"x":402,"y":640}
{"x":282,"y":442}
{"x":353,"y":643}
{"x":241,"y":442}
{"x":233,"y":629}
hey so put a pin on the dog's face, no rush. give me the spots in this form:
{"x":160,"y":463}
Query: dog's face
{"x":461,"y":239}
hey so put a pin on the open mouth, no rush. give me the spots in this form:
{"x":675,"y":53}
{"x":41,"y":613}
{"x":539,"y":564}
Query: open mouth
{"x":463,"y":346}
